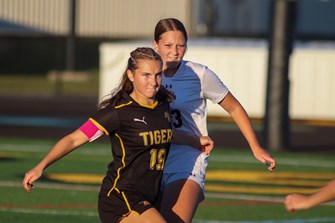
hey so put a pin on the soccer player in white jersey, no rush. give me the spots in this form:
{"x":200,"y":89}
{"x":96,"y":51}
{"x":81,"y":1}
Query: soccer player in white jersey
{"x":192,"y":84}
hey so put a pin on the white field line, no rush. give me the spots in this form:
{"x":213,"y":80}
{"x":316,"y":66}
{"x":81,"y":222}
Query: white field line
{"x":105,"y":150}
{"x":95,"y":214}
{"x":244,"y":197}
{"x":98,"y":150}
{"x":281,"y":161}
{"x":56,"y":186}
{"x":251,"y":197}
{"x":97,"y":188}
{"x":49,"y":212}
{"x":311,"y":220}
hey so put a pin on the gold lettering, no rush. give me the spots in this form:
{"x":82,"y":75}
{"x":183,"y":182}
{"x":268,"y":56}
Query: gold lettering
{"x":163,"y":134}
{"x":157,"y":134}
{"x":169,"y":135}
{"x":151,"y":138}
{"x":156,"y":137}
{"x":145,"y":137}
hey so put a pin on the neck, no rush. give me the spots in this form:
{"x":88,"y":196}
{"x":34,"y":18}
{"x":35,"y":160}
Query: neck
{"x":142,"y":100}
{"x":171,"y":68}
{"x":169,"y":72}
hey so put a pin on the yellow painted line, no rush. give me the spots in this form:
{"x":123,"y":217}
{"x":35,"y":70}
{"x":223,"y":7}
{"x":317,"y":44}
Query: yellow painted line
{"x":267,"y":183}
{"x":256,"y":190}
{"x":316,"y":179}
{"x":5,"y":155}
{"x":76,"y":177}
{"x":237,"y":173}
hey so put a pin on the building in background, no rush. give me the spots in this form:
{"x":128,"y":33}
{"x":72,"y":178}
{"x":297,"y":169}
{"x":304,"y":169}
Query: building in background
{"x":33,"y":33}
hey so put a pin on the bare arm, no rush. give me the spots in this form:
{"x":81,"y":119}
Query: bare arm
{"x":60,"y":149}
{"x":204,"y":143}
{"x":241,"y":118}
{"x":295,"y":202}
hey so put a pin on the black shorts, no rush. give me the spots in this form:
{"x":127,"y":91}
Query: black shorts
{"x":117,"y":205}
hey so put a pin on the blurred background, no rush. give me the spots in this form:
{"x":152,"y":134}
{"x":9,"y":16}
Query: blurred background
{"x":53,"y":66}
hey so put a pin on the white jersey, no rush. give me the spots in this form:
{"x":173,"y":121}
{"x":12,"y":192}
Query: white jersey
{"x":192,"y":84}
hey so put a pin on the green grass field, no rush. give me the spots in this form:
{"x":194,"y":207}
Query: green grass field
{"x":41,"y":85}
{"x":238,"y":189}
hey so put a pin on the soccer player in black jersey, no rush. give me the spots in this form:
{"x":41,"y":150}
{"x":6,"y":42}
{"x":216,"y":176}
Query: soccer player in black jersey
{"x":137,"y":121}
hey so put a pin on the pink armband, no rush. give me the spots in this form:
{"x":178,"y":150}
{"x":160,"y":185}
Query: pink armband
{"x":91,"y":130}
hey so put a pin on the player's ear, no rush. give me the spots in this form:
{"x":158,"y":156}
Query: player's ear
{"x":155,"y":45}
{"x":130,"y":75}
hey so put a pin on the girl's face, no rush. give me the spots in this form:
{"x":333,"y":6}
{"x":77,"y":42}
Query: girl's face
{"x":171,"y":47}
{"x":146,"y":79}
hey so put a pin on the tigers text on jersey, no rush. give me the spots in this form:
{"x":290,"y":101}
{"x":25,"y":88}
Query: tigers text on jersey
{"x":192,"y":84}
{"x":140,"y":137}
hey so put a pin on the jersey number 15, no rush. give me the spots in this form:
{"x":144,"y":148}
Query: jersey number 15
{"x":157,"y":159}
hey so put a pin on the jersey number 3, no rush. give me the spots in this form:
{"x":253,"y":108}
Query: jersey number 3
{"x":177,"y":121}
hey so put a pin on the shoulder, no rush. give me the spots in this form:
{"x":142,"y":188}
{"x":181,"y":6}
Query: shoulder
{"x":113,"y":108}
{"x":201,"y":70}
{"x":124,"y":102}
{"x":193,"y":64}
{"x":197,"y":67}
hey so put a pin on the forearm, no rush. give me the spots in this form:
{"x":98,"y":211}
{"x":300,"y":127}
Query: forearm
{"x":294,"y":202}
{"x":62,"y":148}
{"x":243,"y":122}
{"x":241,"y":118}
{"x":325,"y":194}
{"x":180,"y":137}
{"x":59,"y":150}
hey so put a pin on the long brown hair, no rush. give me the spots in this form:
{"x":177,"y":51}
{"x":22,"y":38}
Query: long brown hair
{"x":141,"y":53}
{"x":169,"y":24}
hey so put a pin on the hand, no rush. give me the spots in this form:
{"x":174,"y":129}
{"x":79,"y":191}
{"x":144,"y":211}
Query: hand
{"x":263,"y":156}
{"x":295,"y":202}
{"x":207,"y":144}
{"x":30,"y":177}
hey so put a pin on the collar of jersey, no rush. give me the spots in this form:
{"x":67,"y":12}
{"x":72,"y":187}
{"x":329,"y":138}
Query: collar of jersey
{"x":131,"y":100}
{"x":150,"y":106}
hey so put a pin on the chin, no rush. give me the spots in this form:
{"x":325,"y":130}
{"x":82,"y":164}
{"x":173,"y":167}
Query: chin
{"x":152,"y":95}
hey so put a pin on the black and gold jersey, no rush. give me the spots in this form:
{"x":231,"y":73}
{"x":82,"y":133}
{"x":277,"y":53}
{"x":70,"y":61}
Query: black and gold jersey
{"x":140,"y":137}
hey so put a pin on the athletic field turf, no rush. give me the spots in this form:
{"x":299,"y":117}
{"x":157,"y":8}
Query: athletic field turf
{"x":238,"y":189}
